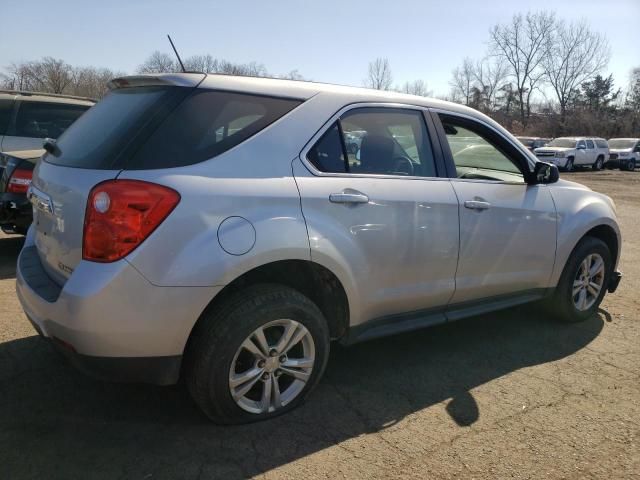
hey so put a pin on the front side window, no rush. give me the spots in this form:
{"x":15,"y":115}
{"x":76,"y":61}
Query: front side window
{"x":476,"y":154}
{"x":590,"y":144}
{"x":581,"y":144}
{"x":41,"y":120}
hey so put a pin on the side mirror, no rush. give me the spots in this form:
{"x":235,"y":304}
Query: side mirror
{"x":49,"y":144}
{"x":545,"y":172}
{"x":581,"y":147}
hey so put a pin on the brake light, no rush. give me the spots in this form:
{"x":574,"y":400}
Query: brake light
{"x":121,"y":214}
{"x":19,"y":181}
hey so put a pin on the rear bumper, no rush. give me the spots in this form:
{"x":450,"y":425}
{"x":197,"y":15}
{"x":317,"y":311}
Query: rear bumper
{"x":15,"y":212}
{"x":109,"y":320}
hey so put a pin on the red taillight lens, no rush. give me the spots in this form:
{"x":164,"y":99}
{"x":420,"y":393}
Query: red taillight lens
{"x":19,"y":181}
{"x":121,"y":214}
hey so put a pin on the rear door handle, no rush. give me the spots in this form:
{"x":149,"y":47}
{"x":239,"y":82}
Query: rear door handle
{"x":348,"y":197}
{"x":477,"y":205}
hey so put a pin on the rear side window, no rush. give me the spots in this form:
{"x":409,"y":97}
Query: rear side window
{"x":41,"y":119}
{"x":6,"y":109}
{"x":101,"y":137}
{"x":590,"y":144}
{"x":327,"y":155}
{"x":207,"y":124}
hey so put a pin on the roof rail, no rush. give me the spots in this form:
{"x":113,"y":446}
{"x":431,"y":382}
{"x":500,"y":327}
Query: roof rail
{"x":44,"y":94}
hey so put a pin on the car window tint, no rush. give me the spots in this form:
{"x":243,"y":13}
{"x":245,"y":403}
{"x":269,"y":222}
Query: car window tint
{"x":387,"y":141}
{"x":40,"y":119}
{"x":6,"y":109}
{"x":475,"y":154}
{"x":590,"y":144}
{"x":602,"y":144}
{"x":327,"y":154}
{"x":581,"y":144}
{"x":207,"y":124}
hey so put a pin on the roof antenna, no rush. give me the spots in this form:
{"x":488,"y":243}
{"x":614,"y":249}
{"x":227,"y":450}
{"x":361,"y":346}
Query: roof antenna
{"x":177,"y":55}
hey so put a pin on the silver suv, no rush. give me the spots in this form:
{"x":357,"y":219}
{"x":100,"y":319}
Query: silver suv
{"x":26,"y":118}
{"x":219,"y":227}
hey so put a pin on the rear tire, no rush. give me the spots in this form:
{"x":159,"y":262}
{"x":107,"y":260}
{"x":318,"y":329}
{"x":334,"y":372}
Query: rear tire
{"x":631,"y":165}
{"x":565,"y":304}
{"x":217,"y":356}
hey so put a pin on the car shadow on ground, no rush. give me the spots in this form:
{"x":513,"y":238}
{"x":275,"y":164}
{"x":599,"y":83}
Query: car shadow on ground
{"x":57,"y":423}
{"x":9,"y":250}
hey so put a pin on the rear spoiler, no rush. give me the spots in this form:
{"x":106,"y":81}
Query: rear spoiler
{"x":157,"y":80}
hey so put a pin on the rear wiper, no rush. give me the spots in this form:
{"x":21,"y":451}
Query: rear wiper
{"x":51,"y":147}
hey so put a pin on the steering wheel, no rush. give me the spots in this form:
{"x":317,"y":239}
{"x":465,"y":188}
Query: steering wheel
{"x":403,"y":164}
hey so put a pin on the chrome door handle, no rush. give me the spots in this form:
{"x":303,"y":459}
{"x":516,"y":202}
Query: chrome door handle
{"x":477,"y":205}
{"x":348,"y":198}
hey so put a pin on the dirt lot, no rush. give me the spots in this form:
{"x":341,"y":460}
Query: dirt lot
{"x":510,"y":395}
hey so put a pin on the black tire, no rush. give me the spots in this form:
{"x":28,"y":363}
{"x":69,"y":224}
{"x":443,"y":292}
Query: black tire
{"x":561,"y":304}
{"x":631,"y":165}
{"x":569,"y":166}
{"x":219,"y":334}
{"x":599,"y":163}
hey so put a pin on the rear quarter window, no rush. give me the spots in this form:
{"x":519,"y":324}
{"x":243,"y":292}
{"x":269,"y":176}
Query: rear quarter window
{"x":207,"y":124}
{"x":602,"y":144}
{"x":6,"y":109}
{"x":41,"y":119}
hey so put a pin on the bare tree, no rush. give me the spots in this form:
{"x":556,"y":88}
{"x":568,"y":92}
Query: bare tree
{"x":50,"y":75}
{"x":201,"y":63}
{"x":574,"y":54}
{"x":159,"y":62}
{"x":92,"y":82}
{"x":379,"y":74}
{"x":489,"y":74}
{"x":522,"y":43}
{"x":417,"y":87}
{"x":462,"y":82}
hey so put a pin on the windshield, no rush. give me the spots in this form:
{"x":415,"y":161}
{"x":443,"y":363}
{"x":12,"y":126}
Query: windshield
{"x":622,"y":143}
{"x":562,"y":143}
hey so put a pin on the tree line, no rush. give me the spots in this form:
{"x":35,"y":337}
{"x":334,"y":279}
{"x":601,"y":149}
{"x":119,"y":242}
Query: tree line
{"x":540,"y":76}
{"x":543,"y":76}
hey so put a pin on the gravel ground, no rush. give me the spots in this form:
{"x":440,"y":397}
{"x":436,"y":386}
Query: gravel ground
{"x":508,"y":395}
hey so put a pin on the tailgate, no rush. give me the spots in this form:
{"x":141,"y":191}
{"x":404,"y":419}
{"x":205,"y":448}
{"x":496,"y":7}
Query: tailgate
{"x":59,"y":195}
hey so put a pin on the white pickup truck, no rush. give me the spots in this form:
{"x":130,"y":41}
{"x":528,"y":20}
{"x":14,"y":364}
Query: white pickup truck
{"x":571,"y":152}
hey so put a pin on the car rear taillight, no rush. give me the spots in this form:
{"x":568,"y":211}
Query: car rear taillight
{"x":121,"y":214}
{"x":19,"y":181}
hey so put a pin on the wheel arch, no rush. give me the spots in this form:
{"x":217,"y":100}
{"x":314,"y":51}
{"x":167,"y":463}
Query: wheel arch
{"x":313,"y":280}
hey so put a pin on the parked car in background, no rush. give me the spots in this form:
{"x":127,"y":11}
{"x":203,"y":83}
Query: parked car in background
{"x":16,"y":170}
{"x":571,"y":152}
{"x":169,"y":243}
{"x":26,"y":118}
{"x":624,"y":153}
{"x":533,"y":142}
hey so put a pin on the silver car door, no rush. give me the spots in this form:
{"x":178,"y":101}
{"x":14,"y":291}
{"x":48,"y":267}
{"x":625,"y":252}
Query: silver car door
{"x":507,"y":228}
{"x":381,"y":219}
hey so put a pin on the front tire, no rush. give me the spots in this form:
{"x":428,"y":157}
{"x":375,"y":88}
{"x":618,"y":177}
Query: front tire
{"x":631,"y":165}
{"x":583,"y":282}
{"x":569,"y":165}
{"x":256,"y":355}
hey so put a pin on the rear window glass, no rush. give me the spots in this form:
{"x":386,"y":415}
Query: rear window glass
{"x":6,"y":108}
{"x":99,"y":139}
{"x":41,"y":120}
{"x":207,"y":124}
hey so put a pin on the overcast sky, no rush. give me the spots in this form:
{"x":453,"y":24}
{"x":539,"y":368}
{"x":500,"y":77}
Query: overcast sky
{"x":329,"y":40}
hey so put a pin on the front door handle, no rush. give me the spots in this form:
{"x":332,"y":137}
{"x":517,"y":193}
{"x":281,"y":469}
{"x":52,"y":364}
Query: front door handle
{"x":477,"y":205}
{"x":348,"y":197}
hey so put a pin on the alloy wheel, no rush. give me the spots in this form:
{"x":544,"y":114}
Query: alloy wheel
{"x":588,"y":282}
{"x":272,"y":366}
